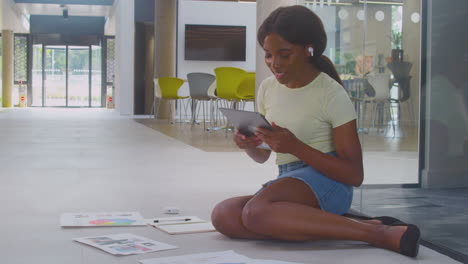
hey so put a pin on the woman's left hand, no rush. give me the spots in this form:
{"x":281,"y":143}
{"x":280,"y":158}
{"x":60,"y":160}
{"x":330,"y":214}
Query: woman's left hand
{"x":279,"y":139}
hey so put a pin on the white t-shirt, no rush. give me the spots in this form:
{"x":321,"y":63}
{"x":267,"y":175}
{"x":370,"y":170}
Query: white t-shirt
{"x":309,"y":112}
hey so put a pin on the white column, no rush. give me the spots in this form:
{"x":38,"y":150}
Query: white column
{"x":165,"y":21}
{"x":124,"y":55}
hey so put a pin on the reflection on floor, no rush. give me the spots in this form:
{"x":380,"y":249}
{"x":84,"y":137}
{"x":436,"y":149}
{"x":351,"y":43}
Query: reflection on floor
{"x":441,"y":214}
{"x":372,"y":139}
{"x":194,"y":135}
{"x":402,"y":139}
{"x":389,"y":158}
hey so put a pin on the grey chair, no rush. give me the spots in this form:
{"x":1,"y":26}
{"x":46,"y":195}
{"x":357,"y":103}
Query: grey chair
{"x":199,"y":83}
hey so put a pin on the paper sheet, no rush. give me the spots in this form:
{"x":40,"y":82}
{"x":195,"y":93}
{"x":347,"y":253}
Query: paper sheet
{"x":181,"y":224}
{"x":124,"y":244}
{"x":102,"y":219}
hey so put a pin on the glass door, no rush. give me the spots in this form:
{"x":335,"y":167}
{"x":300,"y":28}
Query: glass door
{"x":55,"y":79}
{"x":66,"y":76}
{"x":37,"y":84}
{"x":78,"y":76}
{"x":96,"y":76}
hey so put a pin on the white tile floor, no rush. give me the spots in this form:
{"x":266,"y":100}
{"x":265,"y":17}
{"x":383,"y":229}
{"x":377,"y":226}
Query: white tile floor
{"x":68,"y":160}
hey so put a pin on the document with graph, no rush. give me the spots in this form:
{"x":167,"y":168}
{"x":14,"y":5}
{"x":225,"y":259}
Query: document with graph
{"x":124,"y":244}
{"x":88,"y":219}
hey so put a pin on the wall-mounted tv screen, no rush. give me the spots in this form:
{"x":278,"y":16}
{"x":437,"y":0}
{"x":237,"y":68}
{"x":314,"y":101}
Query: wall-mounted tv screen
{"x":215,"y":43}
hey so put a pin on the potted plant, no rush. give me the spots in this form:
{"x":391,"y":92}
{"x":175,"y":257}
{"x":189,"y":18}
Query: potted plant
{"x":345,"y":63}
{"x":397,"y":40}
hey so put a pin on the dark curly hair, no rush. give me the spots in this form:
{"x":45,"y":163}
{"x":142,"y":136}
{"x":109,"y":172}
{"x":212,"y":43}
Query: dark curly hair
{"x":299,"y":25}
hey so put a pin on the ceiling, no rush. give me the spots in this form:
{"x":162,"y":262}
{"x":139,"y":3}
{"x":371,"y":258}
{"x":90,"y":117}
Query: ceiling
{"x":68,"y":2}
{"x":55,"y":7}
{"x":57,"y":10}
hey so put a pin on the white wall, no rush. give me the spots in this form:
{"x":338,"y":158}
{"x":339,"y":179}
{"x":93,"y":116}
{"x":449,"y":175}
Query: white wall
{"x":12,"y":19}
{"x":124,"y":56}
{"x":1,"y":15}
{"x":109,"y":27}
{"x":215,"y":13}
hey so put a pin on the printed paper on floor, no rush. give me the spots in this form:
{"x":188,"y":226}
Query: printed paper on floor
{"x":102,"y":219}
{"x":124,"y":244}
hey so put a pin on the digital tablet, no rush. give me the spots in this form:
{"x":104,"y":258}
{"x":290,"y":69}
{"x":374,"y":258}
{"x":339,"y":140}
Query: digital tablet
{"x":245,"y":121}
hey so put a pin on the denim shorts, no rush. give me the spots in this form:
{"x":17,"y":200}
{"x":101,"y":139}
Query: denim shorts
{"x":333,"y":197}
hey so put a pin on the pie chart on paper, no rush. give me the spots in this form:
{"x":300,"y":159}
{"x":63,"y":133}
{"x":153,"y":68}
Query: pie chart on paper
{"x":114,"y":221}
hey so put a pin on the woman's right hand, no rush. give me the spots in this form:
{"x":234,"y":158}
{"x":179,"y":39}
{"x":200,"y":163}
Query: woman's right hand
{"x":244,"y":142}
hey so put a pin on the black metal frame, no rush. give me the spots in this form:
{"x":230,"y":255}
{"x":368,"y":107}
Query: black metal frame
{"x":43,"y":75}
{"x":66,"y":75}
{"x":90,"y":76}
{"x":422,"y":103}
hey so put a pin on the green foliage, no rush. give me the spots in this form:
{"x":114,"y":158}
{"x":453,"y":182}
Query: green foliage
{"x":396,"y":39}
{"x":350,"y":63}
{"x":78,"y":59}
{"x":346,"y":63}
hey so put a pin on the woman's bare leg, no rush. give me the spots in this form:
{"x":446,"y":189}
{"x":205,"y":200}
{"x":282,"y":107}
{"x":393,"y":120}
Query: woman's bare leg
{"x":288,"y":210}
{"x":226,"y":218}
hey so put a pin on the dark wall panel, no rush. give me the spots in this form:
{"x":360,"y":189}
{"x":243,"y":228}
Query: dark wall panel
{"x":73,"y":25}
{"x":144,"y":11}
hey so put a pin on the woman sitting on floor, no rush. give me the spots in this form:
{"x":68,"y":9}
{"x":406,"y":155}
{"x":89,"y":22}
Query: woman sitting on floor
{"x":318,"y":149}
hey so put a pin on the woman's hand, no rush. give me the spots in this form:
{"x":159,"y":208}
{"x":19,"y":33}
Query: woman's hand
{"x":279,"y":139}
{"x":244,"y":142}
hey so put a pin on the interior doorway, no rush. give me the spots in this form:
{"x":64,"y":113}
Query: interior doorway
{"x":66,"y":76}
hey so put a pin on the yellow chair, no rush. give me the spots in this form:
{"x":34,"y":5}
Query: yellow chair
{"x":246,"y":89}
{"x":168,"y":89}
{"x":228,"y":80}
{"x":234,"y":85}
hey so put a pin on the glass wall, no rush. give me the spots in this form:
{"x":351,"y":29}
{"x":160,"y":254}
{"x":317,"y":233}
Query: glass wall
{"x":37,"y":84}
{"x":400,"y":60}
{"x":78,"y":76}
{"x":55,"y":77}
{"x":377,"y":56}
{"x":96,"y":75}
{"x":444,"y":126}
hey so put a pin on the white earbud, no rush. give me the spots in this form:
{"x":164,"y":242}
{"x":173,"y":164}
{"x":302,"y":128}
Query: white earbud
{"x":311,"y":51}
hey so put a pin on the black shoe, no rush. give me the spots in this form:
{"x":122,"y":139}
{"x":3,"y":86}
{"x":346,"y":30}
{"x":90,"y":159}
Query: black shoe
{"x":388,"y":220}
{"x":409,"y":242}
{"x":357,"y":216}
